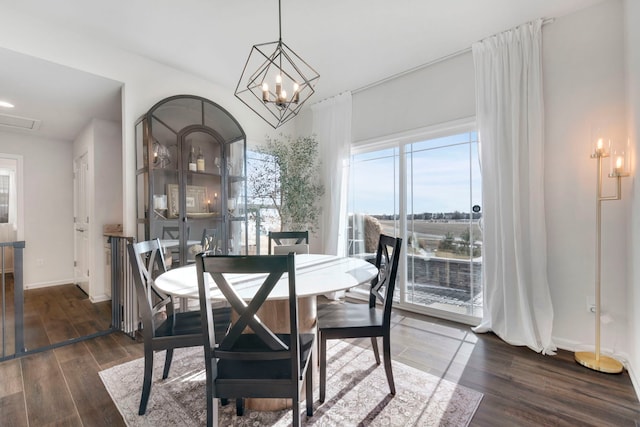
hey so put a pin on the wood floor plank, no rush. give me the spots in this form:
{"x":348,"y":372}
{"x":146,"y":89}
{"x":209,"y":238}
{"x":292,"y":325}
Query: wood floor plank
{"x":106,"y":351}
{"x":10,"y":378}
{"x":94,"y":404}
{"x":13,"y":410}
{"x":60,"y":330}
{"x":46,"y":392}
{"x":35,"y":335}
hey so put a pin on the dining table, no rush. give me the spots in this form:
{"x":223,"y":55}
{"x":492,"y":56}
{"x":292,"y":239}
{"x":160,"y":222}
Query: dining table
{"x":316,"y":274}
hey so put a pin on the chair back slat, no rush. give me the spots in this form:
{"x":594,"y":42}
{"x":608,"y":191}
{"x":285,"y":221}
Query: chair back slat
{"x":383,"y":285}
{"x":294,"y":237}
{"x":298,"y":248}
{"x":147,"y":262}
{"x":247,"y":312}
{"x":274,"y":268}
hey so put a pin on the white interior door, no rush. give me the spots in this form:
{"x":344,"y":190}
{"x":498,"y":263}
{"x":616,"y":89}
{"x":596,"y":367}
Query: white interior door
{"x":81,"y":222}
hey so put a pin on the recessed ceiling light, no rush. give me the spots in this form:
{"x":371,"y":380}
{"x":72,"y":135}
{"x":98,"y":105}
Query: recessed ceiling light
{"x":6,"y":104}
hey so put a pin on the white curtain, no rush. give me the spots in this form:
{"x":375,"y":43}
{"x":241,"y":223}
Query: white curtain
{"x":510,"y":113}
{"x":332,"y":127}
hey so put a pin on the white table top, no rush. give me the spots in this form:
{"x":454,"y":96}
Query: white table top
{"x":315,"y":275}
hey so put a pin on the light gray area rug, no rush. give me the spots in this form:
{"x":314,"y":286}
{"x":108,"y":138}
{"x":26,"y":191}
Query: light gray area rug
{"x":357,"y":394}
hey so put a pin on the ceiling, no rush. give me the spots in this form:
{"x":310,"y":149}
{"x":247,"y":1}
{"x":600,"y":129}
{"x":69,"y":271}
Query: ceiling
{"x":351,"y":43}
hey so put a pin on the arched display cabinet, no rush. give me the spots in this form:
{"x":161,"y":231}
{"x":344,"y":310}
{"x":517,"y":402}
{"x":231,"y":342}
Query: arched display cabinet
{"x":191,"y":178}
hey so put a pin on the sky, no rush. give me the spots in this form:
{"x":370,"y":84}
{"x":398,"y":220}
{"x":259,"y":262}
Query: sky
{"x":439,"y":176}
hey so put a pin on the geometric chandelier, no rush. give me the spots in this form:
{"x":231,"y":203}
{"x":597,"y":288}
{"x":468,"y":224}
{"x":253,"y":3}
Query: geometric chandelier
{"x":280,"y":83}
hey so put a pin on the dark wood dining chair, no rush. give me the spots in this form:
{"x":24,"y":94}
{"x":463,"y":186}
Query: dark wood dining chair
{"x":208,"y":241}
{"x":351,"y":320}
{"x":277,"y":238}
{"x":162,"y":327}
{"x":259,"y":363}
{"x":172,"y":232}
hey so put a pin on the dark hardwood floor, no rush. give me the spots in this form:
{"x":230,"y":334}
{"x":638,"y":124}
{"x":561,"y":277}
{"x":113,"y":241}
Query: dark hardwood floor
{"x":53,"y":315}
{"x":61,"y":387}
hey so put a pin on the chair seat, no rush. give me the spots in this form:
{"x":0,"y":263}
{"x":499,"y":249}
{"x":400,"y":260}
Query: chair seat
{"x":262,"y":369}
{"x":190,"y":322}
{"x":348,"y":316}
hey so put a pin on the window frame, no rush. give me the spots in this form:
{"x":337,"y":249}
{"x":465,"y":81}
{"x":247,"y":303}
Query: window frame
{"x":400,"y":141}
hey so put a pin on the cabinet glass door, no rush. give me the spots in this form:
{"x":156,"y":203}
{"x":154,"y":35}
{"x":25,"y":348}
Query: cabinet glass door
{"x":190,"y":167}
{"x":200,"y":206}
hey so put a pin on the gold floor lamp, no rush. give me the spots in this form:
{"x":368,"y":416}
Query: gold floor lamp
{"x":619,"y":164}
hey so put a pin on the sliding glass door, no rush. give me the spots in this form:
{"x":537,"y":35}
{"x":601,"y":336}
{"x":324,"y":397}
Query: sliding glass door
{"x":427,"y":191}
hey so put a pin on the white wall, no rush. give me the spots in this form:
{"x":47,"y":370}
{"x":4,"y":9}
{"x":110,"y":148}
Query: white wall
{"x":48,"y":208}
{"x":632,"y":41}
{"x":145,"y":83}
{"x":583,"y":64}
{"x":439,"y":93}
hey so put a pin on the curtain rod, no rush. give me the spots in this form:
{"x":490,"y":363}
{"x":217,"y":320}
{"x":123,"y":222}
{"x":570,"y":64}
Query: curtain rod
{"x":429,"y":64}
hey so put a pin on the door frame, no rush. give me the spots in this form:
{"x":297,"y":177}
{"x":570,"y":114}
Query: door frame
{"x":19,"y":170}
{"x":79,"y":276}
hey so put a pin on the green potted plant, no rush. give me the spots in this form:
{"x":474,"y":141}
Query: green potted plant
{"x":289,"y":181}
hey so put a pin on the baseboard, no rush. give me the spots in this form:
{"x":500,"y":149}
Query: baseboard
{"x":100,"y":298}
{"x":38,"y":285}
{"x":635,"y":381}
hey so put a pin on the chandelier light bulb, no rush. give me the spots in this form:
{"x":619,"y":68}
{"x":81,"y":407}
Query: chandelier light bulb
{"x":296,"y":93}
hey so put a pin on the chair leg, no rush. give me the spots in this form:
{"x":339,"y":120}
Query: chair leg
{"x":224,"y":401}
{"x":167,"y":363}
{"x":374,"y":344}
{"x":146,"y":382}
{"x":386,"y":348}
{"x":210,"y":400}
{"x":323,"y":367}
{"x":309,"y":390}
{"x":239,"y":406}
{"x":296,"y":410}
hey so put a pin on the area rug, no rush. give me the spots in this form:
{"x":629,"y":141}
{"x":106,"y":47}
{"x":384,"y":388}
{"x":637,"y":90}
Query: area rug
{"x":357,"y":394}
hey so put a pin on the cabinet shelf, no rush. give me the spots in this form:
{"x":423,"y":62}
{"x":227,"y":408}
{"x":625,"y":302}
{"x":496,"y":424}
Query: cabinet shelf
{"x":192,"y":173}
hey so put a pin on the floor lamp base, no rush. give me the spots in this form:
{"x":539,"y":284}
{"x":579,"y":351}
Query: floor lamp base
{"x":606,"y":364}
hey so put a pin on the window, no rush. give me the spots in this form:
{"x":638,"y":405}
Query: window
{"x":426,"y":190}
{"x":262,"y":192}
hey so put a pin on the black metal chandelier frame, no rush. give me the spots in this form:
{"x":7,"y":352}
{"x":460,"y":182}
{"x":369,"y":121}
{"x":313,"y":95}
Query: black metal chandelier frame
{"x":287,"y":68}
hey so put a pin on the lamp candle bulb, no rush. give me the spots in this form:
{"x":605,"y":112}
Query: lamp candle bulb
{"x":265,"y":92}
{"x":296,"y":93}
{"x":278,"y":86}
{"x":599,"y":146}
{"x":619,"y":165}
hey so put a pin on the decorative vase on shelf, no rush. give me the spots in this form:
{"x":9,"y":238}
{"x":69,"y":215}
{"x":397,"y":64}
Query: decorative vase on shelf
{"x":200,"y":161}
{"x":192,"y":160}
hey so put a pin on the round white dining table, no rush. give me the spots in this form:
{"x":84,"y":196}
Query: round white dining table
{"x":315,"y":275}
